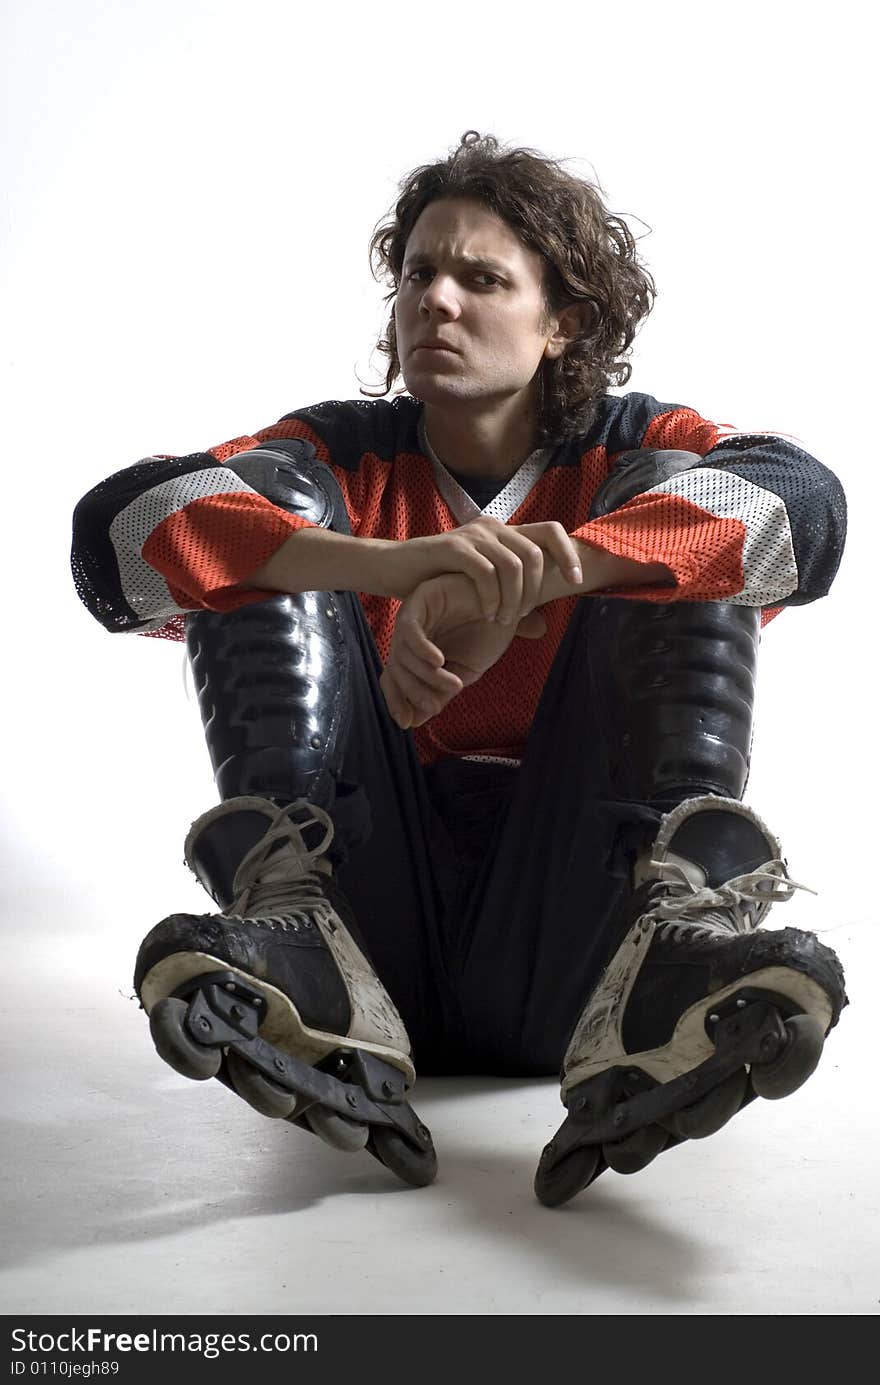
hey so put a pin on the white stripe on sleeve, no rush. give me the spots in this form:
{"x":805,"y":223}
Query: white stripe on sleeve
{"x":145,"y":590}
{"x":769,"y":566}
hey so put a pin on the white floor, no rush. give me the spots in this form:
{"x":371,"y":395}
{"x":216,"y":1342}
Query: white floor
{"x":128,"y":1189}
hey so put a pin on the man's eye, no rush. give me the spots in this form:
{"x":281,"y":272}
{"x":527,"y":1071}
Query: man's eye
{"x":415,"y":274}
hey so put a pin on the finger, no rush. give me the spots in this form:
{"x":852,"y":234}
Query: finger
{"x":509,"y":575}
{"x":409,"y":632}
{"x":422,"y":696}
{"x":531,"y":558}
{"x":409,"y":635}
{"x":399,"y":708}
{"x":485,"y":578}
{"x":440,"y":679}
{"x":481,"y":570}
{"x":397,"y":704}
{"x":563,"y":550}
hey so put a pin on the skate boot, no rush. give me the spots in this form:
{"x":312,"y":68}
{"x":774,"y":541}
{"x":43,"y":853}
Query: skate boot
{"x":697,"y":1012}
{"x":275,"y":995}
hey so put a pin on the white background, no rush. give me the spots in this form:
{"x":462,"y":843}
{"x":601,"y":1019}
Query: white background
{"x":190,"y":190}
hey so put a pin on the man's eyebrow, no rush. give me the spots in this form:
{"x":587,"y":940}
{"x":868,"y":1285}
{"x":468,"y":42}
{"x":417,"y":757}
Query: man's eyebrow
{"x":422,"y":257}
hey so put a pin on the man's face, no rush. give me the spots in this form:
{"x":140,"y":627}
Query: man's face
{"x":468,"y":280}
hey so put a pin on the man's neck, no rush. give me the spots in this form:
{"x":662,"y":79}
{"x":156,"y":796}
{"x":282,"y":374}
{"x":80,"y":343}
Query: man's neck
{"x":480,"y":444}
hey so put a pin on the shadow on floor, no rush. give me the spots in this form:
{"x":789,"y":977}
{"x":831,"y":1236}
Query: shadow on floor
{"x":128,"y":1173}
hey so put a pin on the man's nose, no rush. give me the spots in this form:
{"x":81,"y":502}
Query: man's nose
{"x":440,"y":296}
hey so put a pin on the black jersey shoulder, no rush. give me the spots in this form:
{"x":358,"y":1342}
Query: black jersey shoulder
{"x":350,"y":427}
{"x":619,"y":425}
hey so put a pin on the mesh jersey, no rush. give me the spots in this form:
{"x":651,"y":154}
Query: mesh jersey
{"x":759,"y":522}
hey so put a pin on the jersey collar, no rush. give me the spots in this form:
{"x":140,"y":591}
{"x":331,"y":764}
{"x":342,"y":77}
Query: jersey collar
{"x":506,"y":502}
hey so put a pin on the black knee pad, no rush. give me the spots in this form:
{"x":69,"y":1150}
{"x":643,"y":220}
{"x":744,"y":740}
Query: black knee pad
{"x":675,"y":681}
{"x":273,"y":681}
{"x":273,"y":677}
{"x":635,"y":472}
{"x":288,"y":473}
{"x":674,"y":688}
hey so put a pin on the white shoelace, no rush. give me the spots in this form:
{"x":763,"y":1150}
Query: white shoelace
{"x":738,"y":906}
{"x":284,"y":884}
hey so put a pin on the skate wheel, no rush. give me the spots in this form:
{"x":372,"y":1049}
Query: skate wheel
{"x":418,"y":1167}
{"x":797,"y":1061}
{"x":258,"y":1091}
{"x":338,"y":1131}
{"x":712,"y":1111}
{"x":635,"y":1151}
{"x":174,"y":1044}
{"x":560,"y":1183}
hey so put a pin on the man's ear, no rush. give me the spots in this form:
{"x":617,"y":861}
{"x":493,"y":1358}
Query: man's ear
{"x":577,"y":320}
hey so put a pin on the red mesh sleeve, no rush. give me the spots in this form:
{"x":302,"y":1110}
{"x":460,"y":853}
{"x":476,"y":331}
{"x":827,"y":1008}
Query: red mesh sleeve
{"x":204,"y":550}
{"x":703,"y":551}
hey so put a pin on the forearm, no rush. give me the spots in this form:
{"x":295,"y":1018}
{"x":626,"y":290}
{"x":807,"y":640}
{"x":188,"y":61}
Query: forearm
{"x":316,"y":559}
{"x":320,"y":560}
{"x":601,"y":570}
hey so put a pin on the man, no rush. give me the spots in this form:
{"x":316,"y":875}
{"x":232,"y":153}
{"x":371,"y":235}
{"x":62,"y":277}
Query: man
{"x":520,"y":844}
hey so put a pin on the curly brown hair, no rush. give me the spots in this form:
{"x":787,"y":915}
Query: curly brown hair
{"x":589,"y":256}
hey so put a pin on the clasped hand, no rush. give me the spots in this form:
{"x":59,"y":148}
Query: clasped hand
{"x":456,"y":625}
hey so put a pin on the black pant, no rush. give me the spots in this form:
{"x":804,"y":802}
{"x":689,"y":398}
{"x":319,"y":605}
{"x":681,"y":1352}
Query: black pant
{"x":488,"y":894}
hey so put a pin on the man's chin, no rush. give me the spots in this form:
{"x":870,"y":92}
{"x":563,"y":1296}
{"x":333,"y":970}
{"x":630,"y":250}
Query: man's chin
{"x":436,"y":390}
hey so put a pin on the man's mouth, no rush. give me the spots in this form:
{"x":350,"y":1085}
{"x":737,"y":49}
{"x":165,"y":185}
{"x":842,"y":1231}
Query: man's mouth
{"x":435,"y":346}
